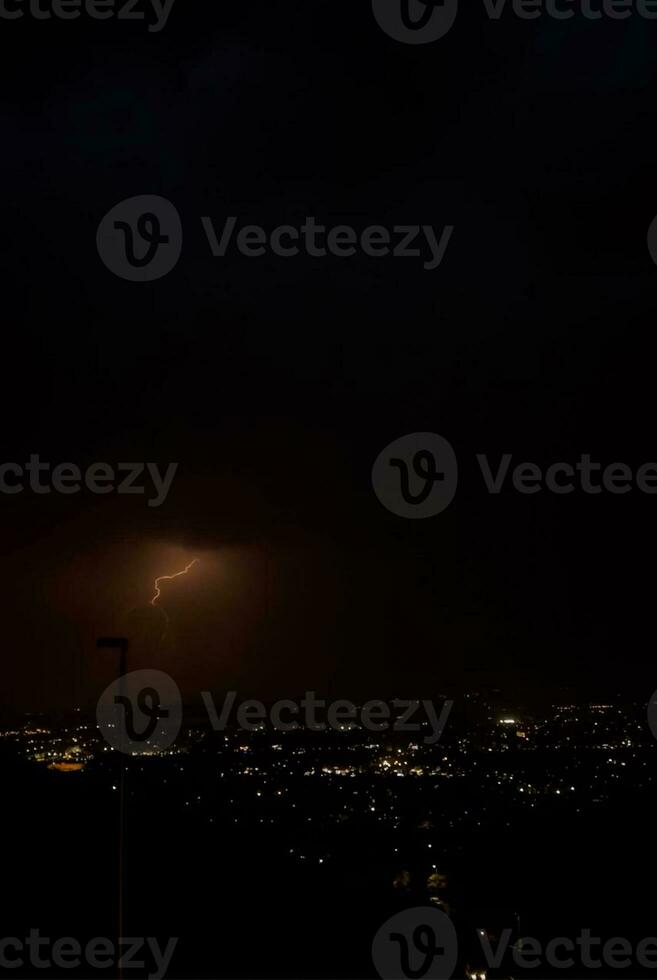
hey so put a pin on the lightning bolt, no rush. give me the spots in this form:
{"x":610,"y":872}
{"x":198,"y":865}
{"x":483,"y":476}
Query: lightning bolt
{"x":166,"y":578}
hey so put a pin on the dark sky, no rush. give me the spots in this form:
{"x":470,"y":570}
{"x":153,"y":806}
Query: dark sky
{"x":275,"y":383}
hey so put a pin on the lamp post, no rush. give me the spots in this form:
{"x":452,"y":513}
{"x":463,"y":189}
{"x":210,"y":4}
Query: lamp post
{"x":119,"y":643}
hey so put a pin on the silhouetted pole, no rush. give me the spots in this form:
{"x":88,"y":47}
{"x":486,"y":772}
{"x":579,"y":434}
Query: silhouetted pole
{"x":121,"y":644}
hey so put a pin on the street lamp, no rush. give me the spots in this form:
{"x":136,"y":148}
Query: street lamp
{"x":119,"y":643}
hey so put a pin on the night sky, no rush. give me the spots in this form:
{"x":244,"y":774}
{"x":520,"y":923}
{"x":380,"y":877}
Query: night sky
{"x":275,"y":383}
